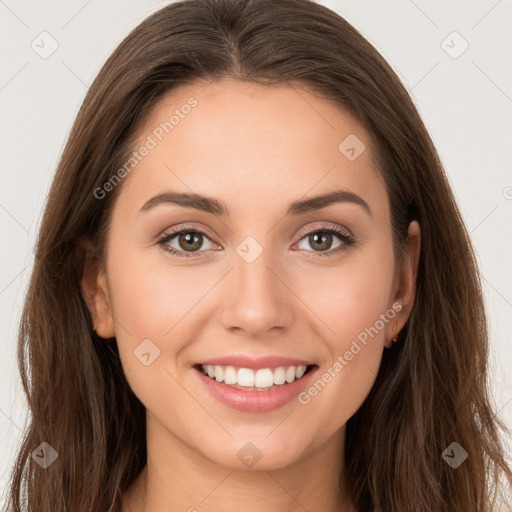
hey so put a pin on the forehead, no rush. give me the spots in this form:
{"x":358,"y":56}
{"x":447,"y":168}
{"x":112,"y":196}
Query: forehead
{"x":240,"y":141}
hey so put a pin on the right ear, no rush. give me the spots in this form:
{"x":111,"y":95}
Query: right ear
{"x":93,"y":285}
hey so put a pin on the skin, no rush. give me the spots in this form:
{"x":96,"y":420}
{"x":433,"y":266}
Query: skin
{"x":257,"y":149}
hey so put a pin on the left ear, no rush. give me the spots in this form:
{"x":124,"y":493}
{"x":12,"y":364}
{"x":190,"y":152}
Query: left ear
{"x":405,"y":281}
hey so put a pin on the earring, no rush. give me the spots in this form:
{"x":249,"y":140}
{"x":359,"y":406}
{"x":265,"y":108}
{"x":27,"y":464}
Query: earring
{"x":395,"y":339}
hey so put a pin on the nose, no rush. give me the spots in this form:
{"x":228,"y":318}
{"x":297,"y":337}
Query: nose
{"x":257,"y":298}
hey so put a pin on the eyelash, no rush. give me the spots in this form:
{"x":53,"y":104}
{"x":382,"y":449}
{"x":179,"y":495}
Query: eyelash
{"x":347,"y":241}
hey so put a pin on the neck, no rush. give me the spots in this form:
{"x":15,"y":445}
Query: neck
{"x":179,"y":478}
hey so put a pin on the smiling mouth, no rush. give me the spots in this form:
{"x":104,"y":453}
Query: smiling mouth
{"x":248,"y":379}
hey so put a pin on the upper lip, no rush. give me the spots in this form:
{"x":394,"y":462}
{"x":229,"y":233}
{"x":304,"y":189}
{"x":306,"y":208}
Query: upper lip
{"x":245,"y":361}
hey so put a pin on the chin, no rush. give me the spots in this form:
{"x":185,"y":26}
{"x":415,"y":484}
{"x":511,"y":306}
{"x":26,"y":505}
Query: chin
{"x":255,"y":453}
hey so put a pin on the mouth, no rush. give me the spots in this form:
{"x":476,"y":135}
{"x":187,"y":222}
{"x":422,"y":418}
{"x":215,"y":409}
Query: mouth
{"x":255,"y":379}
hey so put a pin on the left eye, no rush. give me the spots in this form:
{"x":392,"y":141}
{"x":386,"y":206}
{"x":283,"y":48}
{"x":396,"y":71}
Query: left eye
{"x":321,"y":240}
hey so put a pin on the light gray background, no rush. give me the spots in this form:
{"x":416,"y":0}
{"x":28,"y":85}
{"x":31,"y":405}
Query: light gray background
{"x":466,"y":103}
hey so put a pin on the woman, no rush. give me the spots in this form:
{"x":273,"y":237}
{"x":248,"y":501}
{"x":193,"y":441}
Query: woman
{"x":253,"y":287}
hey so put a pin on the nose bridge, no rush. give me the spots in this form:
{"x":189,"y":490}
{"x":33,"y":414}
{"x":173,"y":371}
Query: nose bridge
{"x":257,"y":300}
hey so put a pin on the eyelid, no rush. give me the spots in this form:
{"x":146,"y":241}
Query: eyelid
{"x":317,"y":227}
{"x":176,"y":230}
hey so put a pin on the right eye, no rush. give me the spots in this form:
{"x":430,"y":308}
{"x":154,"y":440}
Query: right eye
{"x":188,"y":241}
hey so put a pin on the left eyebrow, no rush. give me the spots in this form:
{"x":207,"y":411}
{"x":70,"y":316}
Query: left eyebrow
{"x":323,"y":200}
{"x":216,"y":207}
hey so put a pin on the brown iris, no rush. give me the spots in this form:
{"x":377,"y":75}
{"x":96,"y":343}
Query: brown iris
{"x":191,"y":241}
{"x":321,"y":239}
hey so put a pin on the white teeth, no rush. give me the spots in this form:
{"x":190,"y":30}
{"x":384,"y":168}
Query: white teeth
{"x":219,"y":374}
{"x":263,"y":378}
{"x":230,"y":376}
{"x":290,"y":374}
{"x":300,"y":371}
{"x":245,"y":377}
{"x":279,"y":376}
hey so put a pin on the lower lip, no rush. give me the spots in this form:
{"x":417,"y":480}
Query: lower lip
{"x":252,"y":400}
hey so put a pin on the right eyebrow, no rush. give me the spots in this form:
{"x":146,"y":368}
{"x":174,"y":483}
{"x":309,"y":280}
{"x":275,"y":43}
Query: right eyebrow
{"x":196,"y":201}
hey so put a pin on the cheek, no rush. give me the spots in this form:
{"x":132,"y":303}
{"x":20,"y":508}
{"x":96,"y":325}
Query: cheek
{"x":159,"y":303}
{"x":349,"y":298}
{"x":155,"y":301}
{"x":353,"y":300}
{"x":152,"y":296}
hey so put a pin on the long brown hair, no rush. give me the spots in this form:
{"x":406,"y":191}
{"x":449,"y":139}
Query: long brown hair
{"x":432,"y":386}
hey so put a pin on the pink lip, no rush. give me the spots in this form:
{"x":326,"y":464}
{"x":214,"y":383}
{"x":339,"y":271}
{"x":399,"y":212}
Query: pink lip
{"x":252,"y":400}
{"x":255,"y":362}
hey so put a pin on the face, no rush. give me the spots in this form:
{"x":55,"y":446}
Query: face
{"x":257,"y":281}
